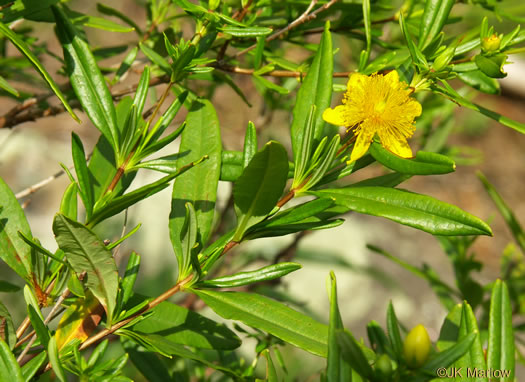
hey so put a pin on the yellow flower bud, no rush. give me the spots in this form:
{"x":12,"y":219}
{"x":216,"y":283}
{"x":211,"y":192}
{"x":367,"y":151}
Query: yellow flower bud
{"x":491,"y":43}
{"x":417,"y":347}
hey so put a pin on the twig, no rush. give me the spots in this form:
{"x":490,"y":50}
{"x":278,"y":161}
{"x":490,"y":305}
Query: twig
{"x":273,"y":73}
{"x":48,"y":318}
{"x":306,"y":16}
{"x":106,"y":332}
{"x":37,"y":186}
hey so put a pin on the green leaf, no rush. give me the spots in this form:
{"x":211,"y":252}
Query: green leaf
{"x":33,"y":365}
{"x":271,"y":373}
{"x":263,"y":83}
{"x":81,"y":168}
{"x":85,"y":252}
{"x":270,"y":272}
{"x":182,"y":326}
{"x":86,"y":79}
{"x":434,"y":17}
{"x":304,"y":153}
{"x":97,"y":22}
{"x":260,"y":186}
{"x":120,"y":203}
{"x":250,"y":144}
{"x":69,"y":203}
{"x":415,"y":210}
{"x":54,"y":360}
{"x":321,"y":166}
{"x":449,"y":332}
{"x":315,"y":90}
{"x":161,"y":345}
{"x":8,"y":88}
{"x":418,"y":58}
{"x":337,"y":369}
{"x":7,"y":287}
{"x":393,"y":332}
{"x":270,"y":316}
{"x":448,"y":91}
{"x":424,"y":163}
{"x":505,"y":211}
{"x":126,"y":63}
{"x":297,"y":213}
{"x":245,"y":32}
{"x":201,"y":137}
{"x":365,"y":55}
{"x":353,"y":354}
{"x":156,"y":58}
{"x":480,"y":81}
{"x":450,"y":355}
{"x":7,"y":330}
{"x":500,"y":350}
{"x":475,"y":357}
{"x":9,"y":369}
{"x":492,"y":66}
{"x":38,"y":325}
{"x":128,"y":281}
{"x":13,"y":250}
{"x":148,"y":363}
{"x":26,"y":51}
{"x":107,"y":10}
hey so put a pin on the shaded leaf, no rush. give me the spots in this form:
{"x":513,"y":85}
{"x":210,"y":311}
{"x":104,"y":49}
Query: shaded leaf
{"x":271,"y":316}
{"x":86,"y":253}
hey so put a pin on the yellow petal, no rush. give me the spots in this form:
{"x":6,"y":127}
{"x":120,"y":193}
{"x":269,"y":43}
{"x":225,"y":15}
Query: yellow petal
{"x":412,"y":108}
{"x":364,"y":139}
{"x":392,"y":78}
{"x":398,"y":146}
{"x":335,"y":116}
{"x":356,"y":80}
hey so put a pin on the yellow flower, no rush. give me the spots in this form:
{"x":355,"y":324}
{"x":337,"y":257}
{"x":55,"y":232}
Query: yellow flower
{"x":377,"y":104}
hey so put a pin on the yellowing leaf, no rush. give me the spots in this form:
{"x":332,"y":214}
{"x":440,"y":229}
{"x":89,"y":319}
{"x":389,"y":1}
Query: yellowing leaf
{"x":79,"y":320}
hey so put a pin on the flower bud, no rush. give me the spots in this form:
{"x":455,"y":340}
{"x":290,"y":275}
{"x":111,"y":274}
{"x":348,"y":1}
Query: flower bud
{"x":417,"y":347}
{"x":383,"y":367}
{"x":491,"y":43}
{"x":443,"y":59}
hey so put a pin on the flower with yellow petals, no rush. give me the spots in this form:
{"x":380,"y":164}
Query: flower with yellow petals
{"x":377,"y":104}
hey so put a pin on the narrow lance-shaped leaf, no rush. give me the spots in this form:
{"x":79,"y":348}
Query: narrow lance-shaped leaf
{"x":353,"y":354}
{"x":7,"y":330}
{"x":260,"y":186}
{"x":337,"y":369}
{"x":9,"y":369}
{"x":81,"y":168}
{"x":267,"y":273}
{"x":86,"y":78}
{"x":505,"y":211}
{"x":434,"y":17}
{"x":87,"y":253}
{"x":182,"y":326}
{"x":250,"y":144}
{"x":424,"y":163}
{"x":315,"y":90}
{"x":271,"y":316}
{"x":500,"y":351}
{"x":26,"y":51}
{"x":415,"y":210}
{"x":474,"y":358}
{"x":54,"y":360}
{"x":201,"y":137}
{"x":13,"y":250}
